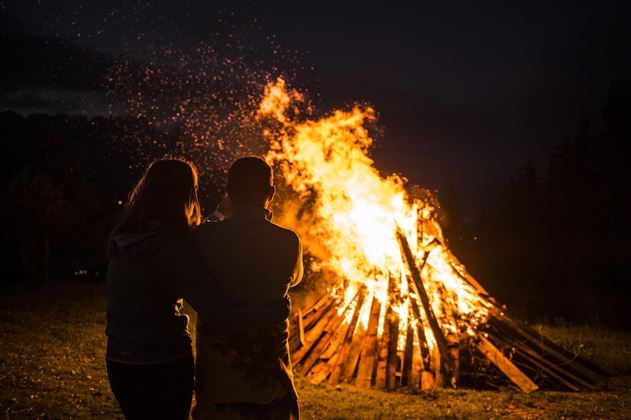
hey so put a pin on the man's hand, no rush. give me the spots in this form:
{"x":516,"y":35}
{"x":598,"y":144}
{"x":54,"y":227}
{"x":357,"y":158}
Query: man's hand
{"x":223,"y":207}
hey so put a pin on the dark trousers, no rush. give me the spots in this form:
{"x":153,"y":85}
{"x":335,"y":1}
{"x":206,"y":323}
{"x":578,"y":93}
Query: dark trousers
{"x":159,"y":391}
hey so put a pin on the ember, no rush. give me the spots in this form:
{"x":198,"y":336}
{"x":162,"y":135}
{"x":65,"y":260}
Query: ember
{"x":405,"y":307}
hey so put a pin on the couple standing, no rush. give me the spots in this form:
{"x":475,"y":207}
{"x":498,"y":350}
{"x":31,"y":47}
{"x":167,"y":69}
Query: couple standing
{"x":235,"y":273}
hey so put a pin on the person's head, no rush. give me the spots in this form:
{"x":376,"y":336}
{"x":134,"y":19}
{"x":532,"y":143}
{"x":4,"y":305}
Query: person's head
{"x":250,"y":182}
{"x":167,"y":193}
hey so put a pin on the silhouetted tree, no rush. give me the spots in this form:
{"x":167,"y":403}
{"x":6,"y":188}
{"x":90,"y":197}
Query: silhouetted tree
{"x":39,"y":215}
{"x":566,"y":231}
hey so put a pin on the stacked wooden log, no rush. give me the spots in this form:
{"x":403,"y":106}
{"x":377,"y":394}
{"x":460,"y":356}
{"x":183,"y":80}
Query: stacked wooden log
{"x":330,"y":343}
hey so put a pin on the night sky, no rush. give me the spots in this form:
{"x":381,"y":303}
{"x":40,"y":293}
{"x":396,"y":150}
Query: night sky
{"x":464,"y":90}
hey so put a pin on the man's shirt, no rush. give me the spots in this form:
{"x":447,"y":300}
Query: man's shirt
{"x":254,"y":262}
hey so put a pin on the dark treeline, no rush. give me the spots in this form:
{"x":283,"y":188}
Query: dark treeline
{"x":59,"y":179}
{"x":63,"y":179}
{"x":557,"y":241}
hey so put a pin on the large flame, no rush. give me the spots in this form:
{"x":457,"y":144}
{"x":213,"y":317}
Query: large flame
{"x":355,"y":212}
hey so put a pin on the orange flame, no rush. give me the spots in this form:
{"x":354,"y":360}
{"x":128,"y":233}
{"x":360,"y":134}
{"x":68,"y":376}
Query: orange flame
{"x":357,"y":211}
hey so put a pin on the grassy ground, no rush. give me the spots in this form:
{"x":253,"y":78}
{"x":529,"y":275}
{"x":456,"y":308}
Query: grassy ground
{"x":52,"y":366}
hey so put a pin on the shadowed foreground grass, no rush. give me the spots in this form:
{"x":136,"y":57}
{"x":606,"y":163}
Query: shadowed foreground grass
{"x":52,"y":366}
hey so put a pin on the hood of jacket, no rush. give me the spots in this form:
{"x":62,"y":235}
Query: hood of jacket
{"x":135,"y":247}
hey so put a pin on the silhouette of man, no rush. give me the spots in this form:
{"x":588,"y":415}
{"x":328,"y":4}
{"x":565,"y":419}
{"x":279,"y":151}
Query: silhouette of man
{"x":254,"y":262}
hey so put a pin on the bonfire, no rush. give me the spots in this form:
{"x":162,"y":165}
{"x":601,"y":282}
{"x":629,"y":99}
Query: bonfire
{"x":405,"y":312}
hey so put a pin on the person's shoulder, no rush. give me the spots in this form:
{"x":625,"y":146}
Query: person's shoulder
{"x":285,"y":233}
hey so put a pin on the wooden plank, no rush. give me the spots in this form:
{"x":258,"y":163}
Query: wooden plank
{"x":570,"y":386}
{"x":313,"y":314}
{"x":327,"y":335}
{"x":407,"y":356}
{"x":341,"y":333}
{"x":368,"y":355}
{"x":313,"y":335}
{"x":452,"y":339}
{"x":420,"y":289}
{"x":420,"y":330}
{"x":319,"y":304}
{"x":437,"y":367}
{"x":394,"y":364}
{"x":561,"y":356}
{"x":560,"y":371}
{"x":384,"y":343}
{"x":319,"y":373}
{"x":382,"y":355}
{"x":537,"y":362}
{"x":511,"y":371}
{"x":322,"y":370}
{"x":417,"y":366}
{"x":350,"y":363}
{"x":428,"y":378}
{"x":338,"y":366}
{"x":454,"y":358}
{"x":313,"y":318}
{"x":336,"y":341}
{"x":449,"y":313}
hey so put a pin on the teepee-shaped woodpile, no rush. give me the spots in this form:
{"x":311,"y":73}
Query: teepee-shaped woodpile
{"x":329,"y":343}
{"x":407,"y":313}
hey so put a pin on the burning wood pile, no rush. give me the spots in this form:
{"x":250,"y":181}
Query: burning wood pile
{"x":406,"y":313}
{"x":326,"y":346}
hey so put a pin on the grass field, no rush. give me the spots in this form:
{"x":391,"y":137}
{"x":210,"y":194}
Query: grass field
{"x":52,"y":366}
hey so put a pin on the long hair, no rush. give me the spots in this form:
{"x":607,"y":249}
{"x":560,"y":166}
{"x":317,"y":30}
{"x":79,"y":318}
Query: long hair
{"x":167,"y":192}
